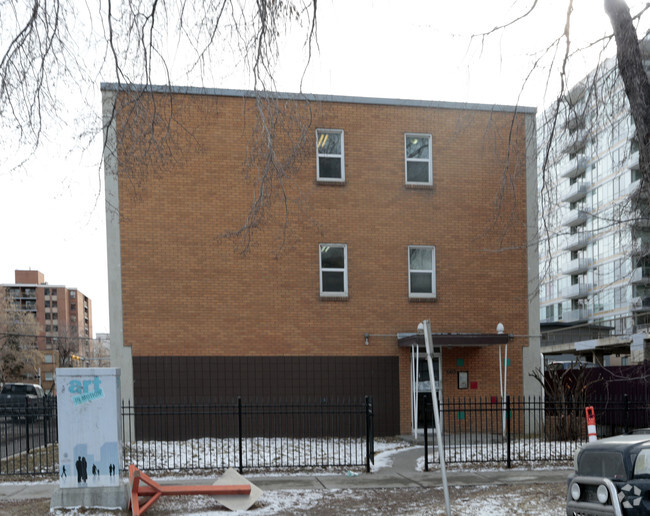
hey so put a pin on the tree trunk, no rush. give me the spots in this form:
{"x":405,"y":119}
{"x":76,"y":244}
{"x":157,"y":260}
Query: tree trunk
{"x":635,"y":79}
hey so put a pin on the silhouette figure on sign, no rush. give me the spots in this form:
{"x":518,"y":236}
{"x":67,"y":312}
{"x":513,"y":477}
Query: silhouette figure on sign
{"x":63,"y":473}
{"x":94,"y":470}
{"x":80,"y":472}
{"x":84,"y":467}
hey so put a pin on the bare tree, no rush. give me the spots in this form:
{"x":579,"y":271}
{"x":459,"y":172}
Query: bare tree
{"x":565,"y":395}
{"x":67,"y":343}
{"x":19,"y":355}
{"x":44,"y":51}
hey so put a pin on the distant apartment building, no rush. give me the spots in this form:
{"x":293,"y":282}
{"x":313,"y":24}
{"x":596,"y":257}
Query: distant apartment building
{"x":64,"y":316}
{"x":594,"y":229}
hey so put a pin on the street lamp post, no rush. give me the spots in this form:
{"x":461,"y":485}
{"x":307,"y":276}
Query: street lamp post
{"x":425,"y":326}
{"x":503,"y":378}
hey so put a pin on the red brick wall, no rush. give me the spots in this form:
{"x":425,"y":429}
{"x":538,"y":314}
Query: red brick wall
{"x":188,"y":291}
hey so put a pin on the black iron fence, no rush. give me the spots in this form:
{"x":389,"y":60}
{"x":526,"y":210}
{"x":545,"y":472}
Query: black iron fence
{"x":527,"y":429}
{"x":28,"y":438}
{"x":334,"y":433}
{"x":249,"y":435}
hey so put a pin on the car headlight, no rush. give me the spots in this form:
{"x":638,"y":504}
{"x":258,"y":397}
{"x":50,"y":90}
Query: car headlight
{"x":575,"y":491}
{"x":602,"y":494}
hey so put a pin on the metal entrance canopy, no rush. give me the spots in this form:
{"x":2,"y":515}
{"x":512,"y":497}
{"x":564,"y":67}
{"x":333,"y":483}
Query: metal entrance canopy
{"x":449,"y":340}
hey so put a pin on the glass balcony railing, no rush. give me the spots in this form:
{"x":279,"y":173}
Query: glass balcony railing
{"x":577,"y":241}
{"x":576,"y":191}
{"x":577,"y":266}
{"x":575,"y":166}
{"x":575,"y":217}
{"x":578,"y":315}
{"x":576,"y":291}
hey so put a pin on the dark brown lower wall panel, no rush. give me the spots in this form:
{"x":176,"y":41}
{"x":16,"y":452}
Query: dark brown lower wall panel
{"x":172,"y":380}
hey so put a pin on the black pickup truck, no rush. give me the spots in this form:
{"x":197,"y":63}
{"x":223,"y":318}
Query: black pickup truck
{"x":21,"y":400}
{"x":612,"y":477}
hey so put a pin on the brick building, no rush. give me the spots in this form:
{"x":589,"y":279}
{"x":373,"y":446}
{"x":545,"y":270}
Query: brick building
{"x":398,"y":211}
{"x":64,"y":316}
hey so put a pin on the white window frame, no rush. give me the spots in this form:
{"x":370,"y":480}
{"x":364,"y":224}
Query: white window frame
{"x":423,"y":295}
{"x":341,"y":156}
{"x":327,"y":269}
{"x":428,"y":160}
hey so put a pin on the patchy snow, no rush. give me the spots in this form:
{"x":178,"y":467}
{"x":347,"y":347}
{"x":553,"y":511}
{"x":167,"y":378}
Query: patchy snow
{"x":540,"y":500}
{"x":490,"y":500}
{"x":384,"y":455}
{"x":478,"y":455}
{"x":211,"y":453}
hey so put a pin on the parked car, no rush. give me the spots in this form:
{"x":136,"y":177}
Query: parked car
{"x":611,"y":477}
{"x":17,"y":399}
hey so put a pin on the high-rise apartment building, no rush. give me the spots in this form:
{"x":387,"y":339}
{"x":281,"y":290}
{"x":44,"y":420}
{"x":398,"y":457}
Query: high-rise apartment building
{"x":64,"y":316}
{"x":594,"y":274}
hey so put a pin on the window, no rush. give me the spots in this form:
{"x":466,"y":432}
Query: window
{"x":47,"y":304}
{"x":47,"y":316}
{"x":417,"y":148}
{"x":333,"y":270}
{"x":329,"y":150}
{"x":48,"y":358}
{"x":73,"y":293}
{"x":49,"y":377}
{"x":422,"y":271}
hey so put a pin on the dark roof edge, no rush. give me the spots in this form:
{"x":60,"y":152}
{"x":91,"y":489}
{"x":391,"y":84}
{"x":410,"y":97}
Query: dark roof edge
{"x":192,"y":90}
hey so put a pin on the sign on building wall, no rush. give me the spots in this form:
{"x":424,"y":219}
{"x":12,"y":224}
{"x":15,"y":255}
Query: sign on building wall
{"x":90,"y":433}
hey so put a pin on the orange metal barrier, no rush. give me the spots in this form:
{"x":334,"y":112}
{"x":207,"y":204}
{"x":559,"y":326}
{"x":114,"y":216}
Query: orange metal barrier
{"x":144,"y":486}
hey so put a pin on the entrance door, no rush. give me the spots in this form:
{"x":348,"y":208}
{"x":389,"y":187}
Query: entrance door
{"x":421,"y":383}
{"x":424,"y":386}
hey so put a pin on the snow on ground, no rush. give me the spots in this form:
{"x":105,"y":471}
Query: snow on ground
{"x":286,"y":454}
{"x":483,"y":456}
{"x":492,"y":500}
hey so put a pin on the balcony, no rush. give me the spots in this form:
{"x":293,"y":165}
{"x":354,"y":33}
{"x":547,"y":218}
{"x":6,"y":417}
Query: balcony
{"x":640,"y":275}
{"x":577,"y":142}
{"x":576,"y":94}
{"x":577,"y":291}
{"x":575,"y":217}
{"x":633,"y":160}
{"x":577,"y":266}
{"x":579,"y":315}
{"x":575,"y":167}
{"x":577,"y":191}
{"x":577,"y":241}
{"x":640,"y":304}
{"x":640,"y":247}
{"x":575,"y":121}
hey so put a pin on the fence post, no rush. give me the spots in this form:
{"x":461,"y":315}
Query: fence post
{"x":241,"y":469}
{"x":627,"y":413}
{"x":370,"y":434}
{"x":426,"y":437}
{"x":508,"y":426}
{"x":27,"y":423}
{"x":46,"y":411}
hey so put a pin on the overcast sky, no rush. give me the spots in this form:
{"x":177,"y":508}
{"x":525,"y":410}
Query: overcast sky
{"x":52,"y":210}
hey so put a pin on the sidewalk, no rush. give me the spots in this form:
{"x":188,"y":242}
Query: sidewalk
{"x":401,"y":473}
